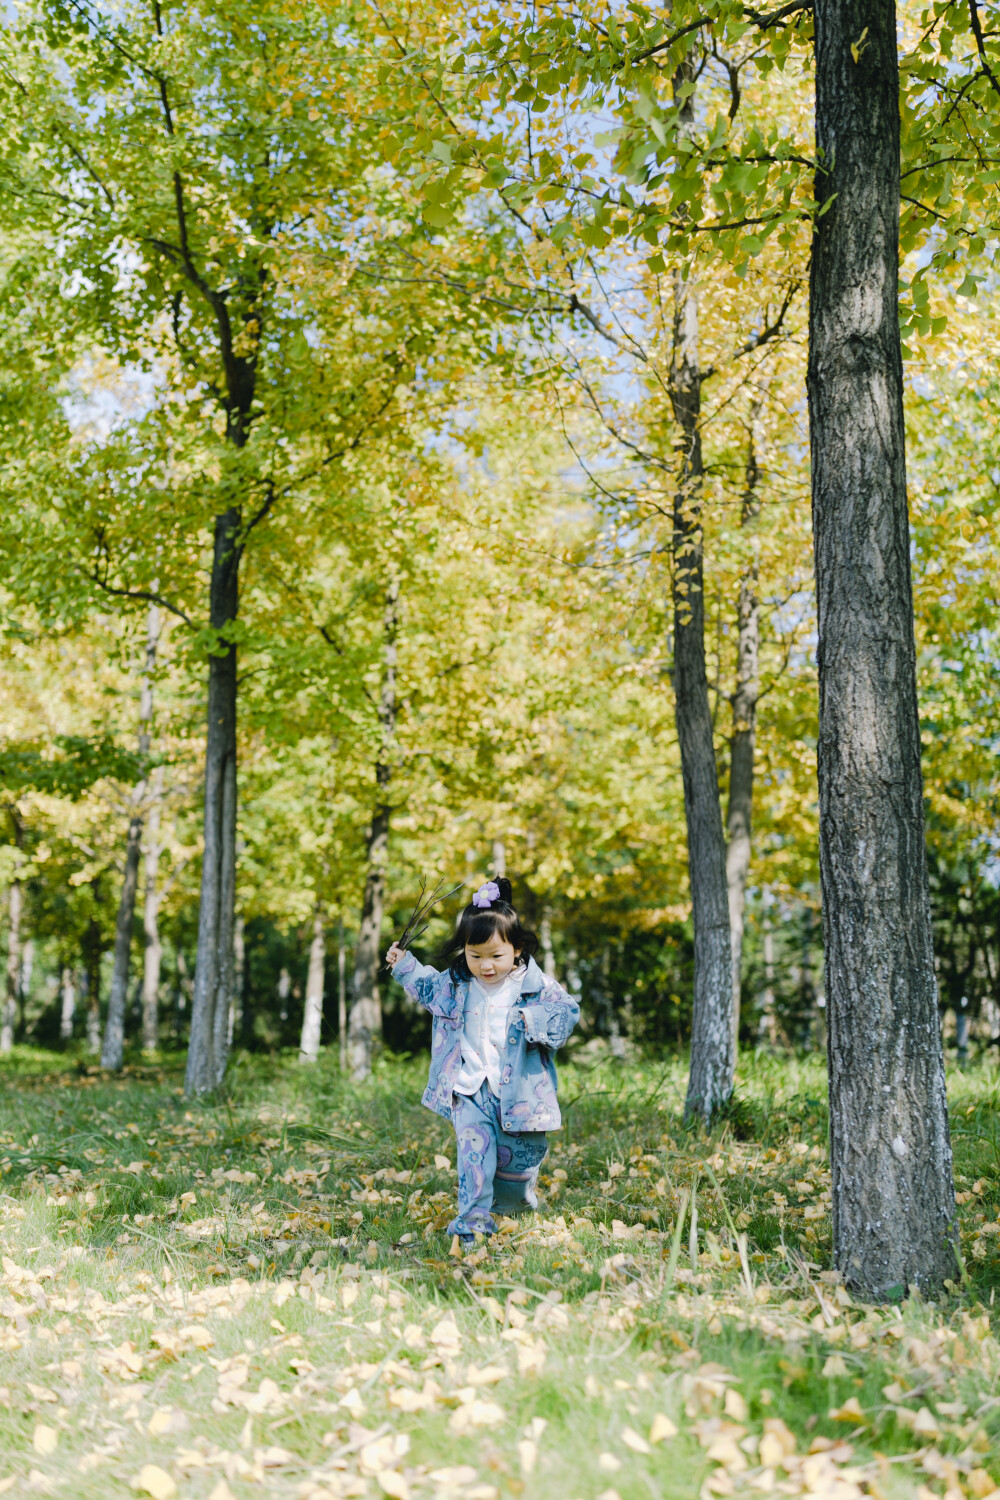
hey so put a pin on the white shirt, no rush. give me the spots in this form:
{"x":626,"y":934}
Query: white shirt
{"x":484,"y":1031}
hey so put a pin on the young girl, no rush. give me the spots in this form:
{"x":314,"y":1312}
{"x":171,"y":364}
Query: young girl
{"x":497,"y":1020}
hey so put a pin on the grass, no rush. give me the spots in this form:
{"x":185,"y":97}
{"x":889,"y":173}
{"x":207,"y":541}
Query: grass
{"x":254,"y":1295}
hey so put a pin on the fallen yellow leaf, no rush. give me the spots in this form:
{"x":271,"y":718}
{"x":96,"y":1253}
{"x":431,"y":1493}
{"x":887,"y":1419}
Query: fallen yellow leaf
{"x":198,"y":1335}
{"x":152,"y":1480}
{"x":632,"y":1440}
{"x":222,"y":1492}
{"x":475,"y":1414}
{"x":735,"y":1406}
{"x":662,"y":1428}
{"x":849,"y":1412}
{"x":46,"y":1439}
{"x":393,"y":1484}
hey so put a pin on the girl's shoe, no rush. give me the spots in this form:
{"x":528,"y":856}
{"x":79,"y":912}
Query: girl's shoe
{"x":467,"y":1239}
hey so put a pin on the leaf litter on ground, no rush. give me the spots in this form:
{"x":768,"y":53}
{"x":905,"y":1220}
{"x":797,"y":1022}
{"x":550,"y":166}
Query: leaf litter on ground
{"x":257,"y":1296}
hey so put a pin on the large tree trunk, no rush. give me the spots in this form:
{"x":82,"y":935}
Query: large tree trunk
{"x":153,"y":947}
{"x":710,"y":1081}
{"x":13,"y":986}
{"x":365,"y":1025}
{"x":893,"y":1200}
{"x":214,"y":968}
{"x":739,"y":812}
{"x":112,"y":1051}
{"x":312,"y":1015}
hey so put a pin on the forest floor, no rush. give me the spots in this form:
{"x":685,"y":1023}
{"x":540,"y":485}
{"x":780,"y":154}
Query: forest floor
{"x":255,"y":1296}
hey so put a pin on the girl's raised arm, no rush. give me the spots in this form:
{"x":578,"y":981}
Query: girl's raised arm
{"x":427,"y":986}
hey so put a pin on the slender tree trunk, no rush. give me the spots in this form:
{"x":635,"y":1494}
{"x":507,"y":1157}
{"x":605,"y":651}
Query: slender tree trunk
{"x":710,"y":1081}
{"x":215,"y":967}
{"x":68,"y":988}
{"x":365,"y":1024}
{"x":342,"y":996}
{"x":91,"y":986}
{"x":545,"y":942}
{"x":767,"y":1030}
{"x":312,"y":1015}
{"x":499,"y":857}
{"x":13,"y":985}
{"x":112,"y":1051}
{"x":92,"y":1014}
{"x":24,"y":987}
{"x":240,"y":961}
{"x":739,"y":812}
{"x":893,"y":1199}
{"x":153,"y":948}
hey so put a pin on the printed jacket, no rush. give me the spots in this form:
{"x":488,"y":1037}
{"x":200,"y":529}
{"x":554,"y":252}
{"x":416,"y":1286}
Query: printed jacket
{"x":539,"y":1022}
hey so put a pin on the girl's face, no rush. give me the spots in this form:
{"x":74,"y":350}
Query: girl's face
{"x":491,"y":961}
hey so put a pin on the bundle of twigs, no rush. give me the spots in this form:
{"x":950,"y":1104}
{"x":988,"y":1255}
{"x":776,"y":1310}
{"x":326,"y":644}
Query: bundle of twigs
{"x":412,"y":931}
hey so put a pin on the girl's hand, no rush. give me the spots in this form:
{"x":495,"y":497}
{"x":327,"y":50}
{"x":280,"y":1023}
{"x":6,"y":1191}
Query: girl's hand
{"x":394,"y":954}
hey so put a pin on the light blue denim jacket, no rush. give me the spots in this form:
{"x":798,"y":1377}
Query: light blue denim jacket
{"x":539,"y":1022}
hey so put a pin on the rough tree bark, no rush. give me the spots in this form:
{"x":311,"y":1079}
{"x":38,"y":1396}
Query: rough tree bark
{"x":152,"y":946}
{"x":739,"y":811}
{"x":113,"y":1047}
{"x":710,"y":1081}
{"x":365,"y":1023}
{"x":214,"y":972}
{"x":13,"y":977}
{"x":893,"y":1199}
{"x":312,"y":1015}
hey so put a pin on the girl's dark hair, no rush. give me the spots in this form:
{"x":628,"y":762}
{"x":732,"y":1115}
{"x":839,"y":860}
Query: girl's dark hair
{"x":478,"y":924}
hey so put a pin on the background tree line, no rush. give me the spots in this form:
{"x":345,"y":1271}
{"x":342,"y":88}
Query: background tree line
{"x":406,"y":443}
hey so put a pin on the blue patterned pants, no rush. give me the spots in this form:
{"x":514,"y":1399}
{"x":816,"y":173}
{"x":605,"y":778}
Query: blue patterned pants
{"x":496,"y":1171}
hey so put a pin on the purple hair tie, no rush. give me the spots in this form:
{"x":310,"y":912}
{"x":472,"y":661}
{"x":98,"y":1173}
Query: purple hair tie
{"x":486,"y":894}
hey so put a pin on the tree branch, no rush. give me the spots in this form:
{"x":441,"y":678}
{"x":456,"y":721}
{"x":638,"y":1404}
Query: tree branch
{"x":765,"y":336}
{"x":147,"y":596}
{"x":977,"y":32}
